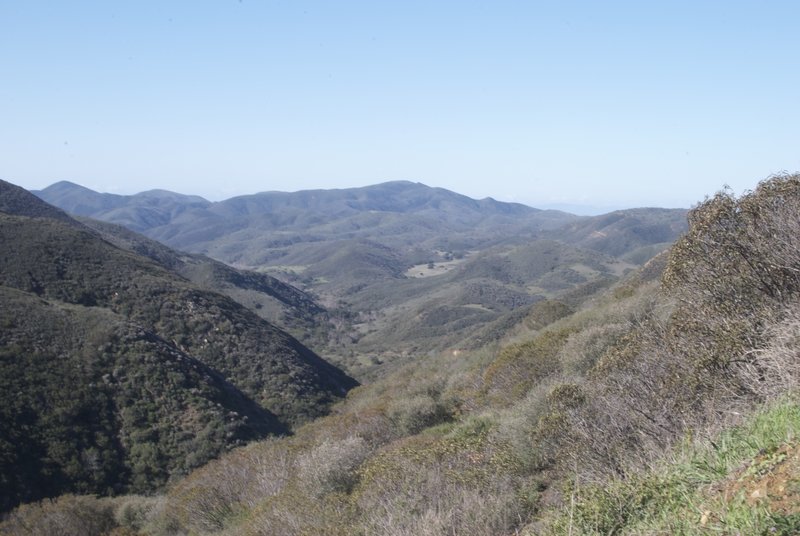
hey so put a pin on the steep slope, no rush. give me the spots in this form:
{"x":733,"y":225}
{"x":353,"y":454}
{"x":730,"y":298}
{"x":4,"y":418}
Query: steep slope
{"x":60,"y":262}
{"x":743,"y":481}
{"x":93,"y":403}
{"x":16,"y":200}
{"x":277,"y":302}
{"x":155,"y":349}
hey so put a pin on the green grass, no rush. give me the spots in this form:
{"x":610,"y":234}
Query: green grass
{"x":687,"y":496}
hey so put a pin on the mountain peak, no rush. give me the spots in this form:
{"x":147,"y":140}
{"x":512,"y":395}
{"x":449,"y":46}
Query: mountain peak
{"x":20,"y":202}
{"x":62,"y":186}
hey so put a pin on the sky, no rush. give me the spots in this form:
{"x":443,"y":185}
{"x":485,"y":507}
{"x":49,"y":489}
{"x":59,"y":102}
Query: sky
{"x":599,"y":104}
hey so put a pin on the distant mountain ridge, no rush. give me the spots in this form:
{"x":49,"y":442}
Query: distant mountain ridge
{"x":304,"y":210}
{"x":16,"y":200}
{"x":139,"y":212}
{"x":400,"y":265}
{"x":346,"y":213}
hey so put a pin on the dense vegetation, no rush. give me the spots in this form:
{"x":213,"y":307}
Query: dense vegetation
{"x":72,"y":265}
{"x":275,"y":301}
{"x":622,"y":412}
{"x":118,"y":374}
{"x":93,"y":403}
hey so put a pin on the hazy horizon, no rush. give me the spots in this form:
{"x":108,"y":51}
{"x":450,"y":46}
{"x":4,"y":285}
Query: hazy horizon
{"x":577,"y":209}
{"x":608,"y":105}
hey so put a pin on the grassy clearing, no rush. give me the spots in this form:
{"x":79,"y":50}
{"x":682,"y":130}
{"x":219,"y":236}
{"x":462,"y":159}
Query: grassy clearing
{"x":433,"y":268}
{"x":279,"y":269}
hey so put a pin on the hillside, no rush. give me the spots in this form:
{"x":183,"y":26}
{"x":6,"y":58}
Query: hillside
{"x":59,"y":262}
{"x":162,"y":373}
{"x":399,"y":267}
{"x":445,"y":309}
{"x":93,"y":403}
{"x":139,"y":213}
{"x":294,"y":230}
{"x":665,"y":402}
{"x":277,"y":302}
{"x":629,"y":233}
{"x":16,"y":200}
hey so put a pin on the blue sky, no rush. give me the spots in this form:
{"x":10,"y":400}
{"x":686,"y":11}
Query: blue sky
{"x":609,"y":104}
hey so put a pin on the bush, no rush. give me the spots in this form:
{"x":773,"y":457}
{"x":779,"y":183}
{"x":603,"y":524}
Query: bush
{"x":68,"y":515}
{"x":446,"y":508}
{"x":736,"y":269}
{"x":520,"y":366}
{"x":332,"y":466}
{"x":431,"y":484}
{"x":545,"y":312}
{"x":412,"y":415}
{"x":135,"y":511}
{"x":698,"y":490}
{"x":775,"y":369}
{"x":733,"y":275}
{"x":584,"y":348}
{"x":213,"y":496}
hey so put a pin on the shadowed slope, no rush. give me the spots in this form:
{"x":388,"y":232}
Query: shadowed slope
{"x":119,"y":373}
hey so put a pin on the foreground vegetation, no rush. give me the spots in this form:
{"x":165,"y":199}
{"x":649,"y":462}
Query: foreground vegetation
{"x":743,"y":481}
{"x":664,"y":405}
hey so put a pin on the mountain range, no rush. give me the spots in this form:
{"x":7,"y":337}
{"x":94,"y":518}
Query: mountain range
{"x":398,"y":267}
{"x":127,"y":363}
{"x":585,"y":378}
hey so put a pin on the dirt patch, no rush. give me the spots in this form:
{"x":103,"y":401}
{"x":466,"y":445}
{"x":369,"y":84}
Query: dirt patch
{"x":771,"y":480}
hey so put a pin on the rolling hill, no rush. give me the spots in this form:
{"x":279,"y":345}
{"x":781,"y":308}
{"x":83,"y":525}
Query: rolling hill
{"x":399,"y":267}
{"x":662,"y":402}
{"x":401,"y":214}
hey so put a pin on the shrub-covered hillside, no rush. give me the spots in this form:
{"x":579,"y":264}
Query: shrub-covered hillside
{"x":67,"y":264}
{"x":567,"y":427}
{"x":93,"y":403}
{"x":118,"y":374}
{"x":277,"y":302}
{"x":402,"y":269}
